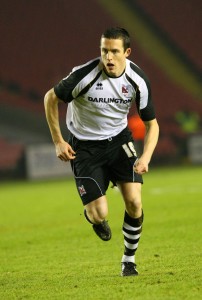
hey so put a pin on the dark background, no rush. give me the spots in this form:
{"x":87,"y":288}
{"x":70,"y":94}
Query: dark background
{"x":42,"y":40}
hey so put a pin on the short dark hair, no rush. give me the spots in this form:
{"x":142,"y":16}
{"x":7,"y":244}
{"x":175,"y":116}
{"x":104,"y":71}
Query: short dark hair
{"x":118,"y":33}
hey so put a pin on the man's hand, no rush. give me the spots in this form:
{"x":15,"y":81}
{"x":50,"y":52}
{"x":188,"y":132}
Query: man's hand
{"x":141,"y":166}
{"x":64,"y":151}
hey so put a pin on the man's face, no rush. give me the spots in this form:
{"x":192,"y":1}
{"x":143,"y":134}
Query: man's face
{"x":113,"y":56}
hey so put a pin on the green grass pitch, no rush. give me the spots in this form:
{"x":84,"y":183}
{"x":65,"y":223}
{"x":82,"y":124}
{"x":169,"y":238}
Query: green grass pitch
{"x":49,"y":251}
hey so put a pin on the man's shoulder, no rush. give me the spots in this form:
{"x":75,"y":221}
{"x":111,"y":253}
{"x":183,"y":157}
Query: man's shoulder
{"x":134,"y":70}
{"x":91,"y":64}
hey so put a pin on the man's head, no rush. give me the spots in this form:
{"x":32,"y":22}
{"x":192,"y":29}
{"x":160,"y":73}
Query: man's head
{"x":115,"y":48}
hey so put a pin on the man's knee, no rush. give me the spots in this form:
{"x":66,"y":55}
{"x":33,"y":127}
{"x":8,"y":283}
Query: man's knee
{"x":132,"y":197}
{"x":134,"y":207}
{"x":96,"y":216}
{"x":97,"y":210}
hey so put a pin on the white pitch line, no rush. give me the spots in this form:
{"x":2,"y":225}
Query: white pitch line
{"x":175,"y":190}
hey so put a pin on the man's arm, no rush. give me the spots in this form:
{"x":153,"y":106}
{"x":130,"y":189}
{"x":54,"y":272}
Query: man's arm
{"x":63,"y":149}
{"x":150,"y":141}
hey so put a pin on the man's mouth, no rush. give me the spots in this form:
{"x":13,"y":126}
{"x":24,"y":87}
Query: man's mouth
{"x":110,"y":65}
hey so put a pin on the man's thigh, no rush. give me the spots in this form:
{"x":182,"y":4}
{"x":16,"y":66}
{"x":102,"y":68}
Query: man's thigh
{"x":131,"y":193}
{"x":89,"y":170}
{"x":124,"y":156}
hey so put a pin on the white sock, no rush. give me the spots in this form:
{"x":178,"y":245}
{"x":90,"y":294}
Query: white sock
{"x":126,"y":258}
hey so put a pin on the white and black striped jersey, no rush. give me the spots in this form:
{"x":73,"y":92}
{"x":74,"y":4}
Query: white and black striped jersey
{"x":98,"y":105}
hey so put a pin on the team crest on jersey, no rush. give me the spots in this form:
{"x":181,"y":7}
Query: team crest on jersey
{"x":82,"y":190}
{"x":126,"y":90}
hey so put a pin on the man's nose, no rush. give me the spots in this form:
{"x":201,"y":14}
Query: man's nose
{"x":109,"y":56}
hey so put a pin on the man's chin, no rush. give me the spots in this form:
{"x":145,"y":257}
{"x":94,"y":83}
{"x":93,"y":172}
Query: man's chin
{"x":110,"y":72}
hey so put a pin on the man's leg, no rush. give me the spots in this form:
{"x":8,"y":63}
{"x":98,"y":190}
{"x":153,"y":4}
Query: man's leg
{"x":95,"y":213}
{"x":132,"y":225}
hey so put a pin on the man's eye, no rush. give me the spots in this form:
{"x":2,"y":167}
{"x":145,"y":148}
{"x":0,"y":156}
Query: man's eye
{"x":104,"y":51}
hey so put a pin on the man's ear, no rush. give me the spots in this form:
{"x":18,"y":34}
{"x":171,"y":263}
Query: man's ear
{"x":127,"y":52}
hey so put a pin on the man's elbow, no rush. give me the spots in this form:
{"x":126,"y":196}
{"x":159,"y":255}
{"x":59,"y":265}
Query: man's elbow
{"x":50,"y":97}
{"x":155,"y":126}
{"x":151,"y":124}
